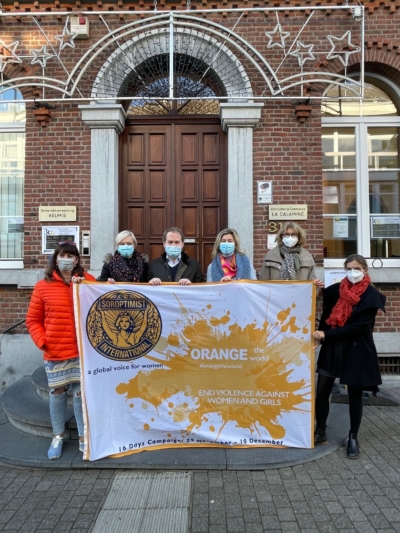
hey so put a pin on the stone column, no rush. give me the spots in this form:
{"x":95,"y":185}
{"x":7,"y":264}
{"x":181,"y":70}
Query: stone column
{"x":106,"y":121}
{"x":239,"y":120}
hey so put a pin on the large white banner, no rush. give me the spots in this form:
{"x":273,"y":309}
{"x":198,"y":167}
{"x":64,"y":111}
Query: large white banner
{"x":228,"y":364}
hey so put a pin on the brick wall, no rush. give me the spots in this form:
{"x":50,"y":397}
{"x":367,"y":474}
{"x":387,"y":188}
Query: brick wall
{"x":289,"y":154}
{"x":285,"y":151}
{"x":14,"y":304}
{"x":57,"y":172}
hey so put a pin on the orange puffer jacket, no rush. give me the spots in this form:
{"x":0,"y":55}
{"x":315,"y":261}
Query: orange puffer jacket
{"x":50,"y":319}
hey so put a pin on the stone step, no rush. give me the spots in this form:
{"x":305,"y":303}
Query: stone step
{"x":39,"y":380}
{"x":21,"y":449}
{"x":29,"y":413}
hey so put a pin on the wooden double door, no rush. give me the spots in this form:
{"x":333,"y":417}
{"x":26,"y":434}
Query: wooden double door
{"x":174,"y":174}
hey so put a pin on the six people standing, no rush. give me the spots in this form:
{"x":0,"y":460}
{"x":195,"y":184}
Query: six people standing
{"x":346,"y":326}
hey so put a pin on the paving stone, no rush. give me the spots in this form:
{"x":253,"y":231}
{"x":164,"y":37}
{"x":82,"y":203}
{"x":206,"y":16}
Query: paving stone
{"x":251,"y":515}
{"x":84,"y":521}
{"x":215,"y":482}
{"x":200,"y":510}
{"x":334,"y":508}
{"x":199,"y":525}
{"x":235,"y":525}
{"x":263,"y":496}
{"x":290,"y":527}
{"x":200,"y":477}
{"x":231,"y":488}
{"x":249,"y":502}
{"x":286,"y":515}
{"x":270,"y":522}
{"x":217,"y":528}
{"x":356,"y":515}
{"x":379,"y":521}
{"x":217,"y":517}
{"x":392,"y":514}
{"x":254,"y":527}
{"x":95,"y":495}
{"x":364,"y":528}
{"x":267,"y":508}
{"x":295,"y":495}
{"x":306,"y":521}
{"x":200,"y":487}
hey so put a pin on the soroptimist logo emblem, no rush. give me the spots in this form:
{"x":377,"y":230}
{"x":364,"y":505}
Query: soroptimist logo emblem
{"x":123,"y":325}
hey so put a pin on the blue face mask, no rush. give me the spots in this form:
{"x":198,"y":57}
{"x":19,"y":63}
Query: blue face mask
{"x":227,"y":248}
{"x":173,"y":251}
{"x":126,"y":250}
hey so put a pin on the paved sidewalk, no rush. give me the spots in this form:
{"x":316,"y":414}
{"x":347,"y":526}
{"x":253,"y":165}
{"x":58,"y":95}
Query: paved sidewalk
{"x":332,"y":494}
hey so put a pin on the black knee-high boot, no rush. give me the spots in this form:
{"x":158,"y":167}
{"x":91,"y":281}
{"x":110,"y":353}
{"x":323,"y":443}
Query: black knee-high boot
{"x":324,"y":388}
{"x":355,"y":410}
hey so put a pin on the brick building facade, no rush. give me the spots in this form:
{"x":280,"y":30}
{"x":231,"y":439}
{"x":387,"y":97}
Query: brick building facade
{"x":274,"y":81}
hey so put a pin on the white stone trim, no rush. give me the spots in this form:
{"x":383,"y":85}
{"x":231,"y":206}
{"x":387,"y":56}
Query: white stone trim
{"x":239,"y":120}
{"x":106,"y":123}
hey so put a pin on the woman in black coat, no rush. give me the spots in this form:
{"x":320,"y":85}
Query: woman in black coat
{"x":348,"y":351}
{"x":126,"y":264}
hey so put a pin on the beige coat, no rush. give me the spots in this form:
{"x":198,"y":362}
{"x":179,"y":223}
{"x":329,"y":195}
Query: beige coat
{"x":273,"y":262}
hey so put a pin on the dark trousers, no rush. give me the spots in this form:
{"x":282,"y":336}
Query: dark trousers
{"x":324,"y":388}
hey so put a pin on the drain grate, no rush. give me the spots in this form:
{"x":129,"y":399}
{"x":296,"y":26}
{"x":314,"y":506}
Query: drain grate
{"x":389,"y":364}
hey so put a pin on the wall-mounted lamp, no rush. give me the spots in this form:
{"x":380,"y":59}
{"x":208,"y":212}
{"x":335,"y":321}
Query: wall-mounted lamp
{"x":356,"y":13}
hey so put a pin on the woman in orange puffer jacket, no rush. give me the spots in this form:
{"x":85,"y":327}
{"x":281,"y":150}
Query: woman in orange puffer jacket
{"x":51,"y":324}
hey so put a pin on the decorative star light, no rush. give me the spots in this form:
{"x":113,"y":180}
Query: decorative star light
{"x":277,"y":37}
{"x":41,"y":56}
{"x":66,"y":38}
{"x":11,"y":56}
{"x":303,"y":52}
{"x":338,"y":45}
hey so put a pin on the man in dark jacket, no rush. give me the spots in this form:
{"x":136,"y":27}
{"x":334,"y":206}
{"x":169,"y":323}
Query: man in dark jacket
{"x":174,"y":264}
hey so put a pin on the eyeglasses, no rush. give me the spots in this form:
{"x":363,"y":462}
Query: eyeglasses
{"x":290,"y":235}
{"x":67,"y":242}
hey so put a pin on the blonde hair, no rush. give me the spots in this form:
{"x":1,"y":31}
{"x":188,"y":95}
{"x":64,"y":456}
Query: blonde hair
{"x":296,"y":228}
{"x":227,"y":231}
{"x":123,"y":235}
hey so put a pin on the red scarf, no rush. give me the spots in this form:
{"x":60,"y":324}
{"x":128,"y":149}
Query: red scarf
{"x":349,"y":296}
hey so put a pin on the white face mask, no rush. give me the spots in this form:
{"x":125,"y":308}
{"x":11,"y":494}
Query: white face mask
{"x":355,"y":276}
{"x":290,"y":241}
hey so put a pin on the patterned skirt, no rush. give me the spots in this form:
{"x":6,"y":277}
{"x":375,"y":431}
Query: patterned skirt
{"x":60,"y":373}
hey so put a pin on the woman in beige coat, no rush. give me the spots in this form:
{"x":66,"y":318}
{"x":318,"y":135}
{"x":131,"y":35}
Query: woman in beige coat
{"x":289,"y":260}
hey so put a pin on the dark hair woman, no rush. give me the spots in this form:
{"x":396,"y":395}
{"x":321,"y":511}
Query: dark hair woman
{"x":348,"y":351}
{"x":51,"y":324}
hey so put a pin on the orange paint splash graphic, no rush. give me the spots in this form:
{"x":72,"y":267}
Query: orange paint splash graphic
{"x":226,"y":395}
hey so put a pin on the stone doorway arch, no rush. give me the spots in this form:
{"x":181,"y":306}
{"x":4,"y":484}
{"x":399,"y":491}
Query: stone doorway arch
{"x":107,"y":121}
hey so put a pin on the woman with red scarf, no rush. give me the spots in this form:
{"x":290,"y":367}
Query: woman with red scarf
{"x":348,"y":351}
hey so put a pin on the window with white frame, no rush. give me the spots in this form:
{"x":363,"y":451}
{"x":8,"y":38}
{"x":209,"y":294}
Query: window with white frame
{"x":12,"y":170}
{"x":361,"y":175}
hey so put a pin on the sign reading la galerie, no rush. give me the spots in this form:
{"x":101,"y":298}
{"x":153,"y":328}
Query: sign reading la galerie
{"x":187,"y":366}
